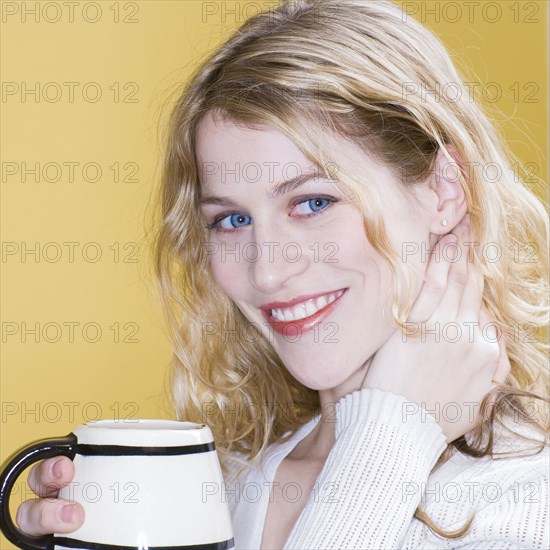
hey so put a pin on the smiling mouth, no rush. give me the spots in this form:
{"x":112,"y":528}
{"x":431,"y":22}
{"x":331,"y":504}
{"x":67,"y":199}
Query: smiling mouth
{"x":307,"y":308}
{"x":304,"y":316}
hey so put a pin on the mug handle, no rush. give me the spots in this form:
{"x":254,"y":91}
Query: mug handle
{"x":10,"y":471}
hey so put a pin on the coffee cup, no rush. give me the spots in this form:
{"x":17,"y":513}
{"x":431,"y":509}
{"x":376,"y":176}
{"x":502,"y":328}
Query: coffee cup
{"x":141,"y":482}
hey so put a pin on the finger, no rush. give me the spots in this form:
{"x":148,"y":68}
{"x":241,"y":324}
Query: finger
{"x":472,"y":298}
{"x":48,"y":476}
{"x":434,"y":285}
{"x":41,"y":517}
{"x":503,"y":365}
{"x":490,"y":331}
{"x":457,"y":255}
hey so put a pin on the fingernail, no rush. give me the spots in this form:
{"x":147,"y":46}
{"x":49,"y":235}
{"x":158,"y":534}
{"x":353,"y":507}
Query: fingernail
{"x":67,"y":513}
{"x":57,"y":469}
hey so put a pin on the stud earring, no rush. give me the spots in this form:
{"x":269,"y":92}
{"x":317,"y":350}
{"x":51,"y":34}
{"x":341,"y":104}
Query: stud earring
{"x":443,"y":222}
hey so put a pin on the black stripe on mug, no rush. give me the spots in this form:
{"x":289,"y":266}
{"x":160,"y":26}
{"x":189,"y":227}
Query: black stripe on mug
{"x":68,"y":542}
{"x":127,"y":450}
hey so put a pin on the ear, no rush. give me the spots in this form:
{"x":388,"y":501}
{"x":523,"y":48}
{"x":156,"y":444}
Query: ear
{"x":452,"y":204}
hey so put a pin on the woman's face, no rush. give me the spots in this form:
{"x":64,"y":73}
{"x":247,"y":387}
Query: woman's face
{"x":302,"y":243}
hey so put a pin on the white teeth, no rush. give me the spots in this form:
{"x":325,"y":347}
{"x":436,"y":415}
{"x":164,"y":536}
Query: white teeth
{"x":305,"y":309}
{"x":321,"y":302}
{"x":311,"y":309}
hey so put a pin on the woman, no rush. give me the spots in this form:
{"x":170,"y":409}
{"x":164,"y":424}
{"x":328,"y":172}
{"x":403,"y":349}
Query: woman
{"x":368,"y":370}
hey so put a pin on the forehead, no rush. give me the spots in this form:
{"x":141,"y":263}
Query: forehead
{"x":230,"y":153}
{"x":223,"y":147}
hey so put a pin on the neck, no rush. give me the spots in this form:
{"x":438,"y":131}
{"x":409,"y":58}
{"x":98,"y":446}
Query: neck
{"x":319,"y":442}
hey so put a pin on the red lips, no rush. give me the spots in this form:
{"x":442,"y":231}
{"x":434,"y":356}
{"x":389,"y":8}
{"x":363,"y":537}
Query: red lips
{"x":298,"y":327}
{"x":294,"y":301}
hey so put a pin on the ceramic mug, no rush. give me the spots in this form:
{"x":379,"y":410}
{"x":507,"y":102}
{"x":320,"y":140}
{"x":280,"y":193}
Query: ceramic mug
{"x":144,"y":484}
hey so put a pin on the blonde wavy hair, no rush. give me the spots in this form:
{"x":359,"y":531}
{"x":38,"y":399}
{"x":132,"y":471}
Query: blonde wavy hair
{"x":349,"y":67}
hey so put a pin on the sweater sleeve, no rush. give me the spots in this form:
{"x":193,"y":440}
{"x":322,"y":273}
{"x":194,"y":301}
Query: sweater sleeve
{"x":511,"y":508}
{"x":384,"y":445}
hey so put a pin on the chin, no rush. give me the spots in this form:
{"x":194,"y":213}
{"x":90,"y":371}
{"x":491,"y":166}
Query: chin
{"x":320,"y":379}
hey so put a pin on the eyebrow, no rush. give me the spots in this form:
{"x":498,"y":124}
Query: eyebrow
{"x":280,"y":189}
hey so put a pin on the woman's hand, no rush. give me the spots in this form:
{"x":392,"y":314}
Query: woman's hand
{"x":48,"y":514}
{"x":458,"y":361}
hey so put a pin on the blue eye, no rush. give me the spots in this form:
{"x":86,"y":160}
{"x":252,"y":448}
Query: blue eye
{"x":229,"y":222}
{"x":314,"y":204}
{"x":234,"y":221}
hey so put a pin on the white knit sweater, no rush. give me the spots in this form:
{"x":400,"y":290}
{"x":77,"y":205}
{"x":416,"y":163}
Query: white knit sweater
{"x":378,"y":472}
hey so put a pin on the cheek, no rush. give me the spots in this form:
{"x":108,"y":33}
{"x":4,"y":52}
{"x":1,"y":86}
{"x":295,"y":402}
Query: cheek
{"x":373,"y":278}
{"x":414,"y":255}
{"x":227,"y":273}
{"x":355,"y":252}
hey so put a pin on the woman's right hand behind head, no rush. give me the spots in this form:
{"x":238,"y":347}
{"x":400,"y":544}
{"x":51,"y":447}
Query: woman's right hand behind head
{"x":48,"y":514}
{"x":440,"y":369}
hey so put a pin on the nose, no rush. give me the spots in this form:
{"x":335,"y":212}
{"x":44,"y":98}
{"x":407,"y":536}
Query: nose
{"x":276,"y":259}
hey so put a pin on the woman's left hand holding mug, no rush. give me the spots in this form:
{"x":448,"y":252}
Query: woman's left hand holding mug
{"x":49,"y":514}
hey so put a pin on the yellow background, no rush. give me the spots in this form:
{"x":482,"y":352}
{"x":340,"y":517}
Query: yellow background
{"x":66,"y":382}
